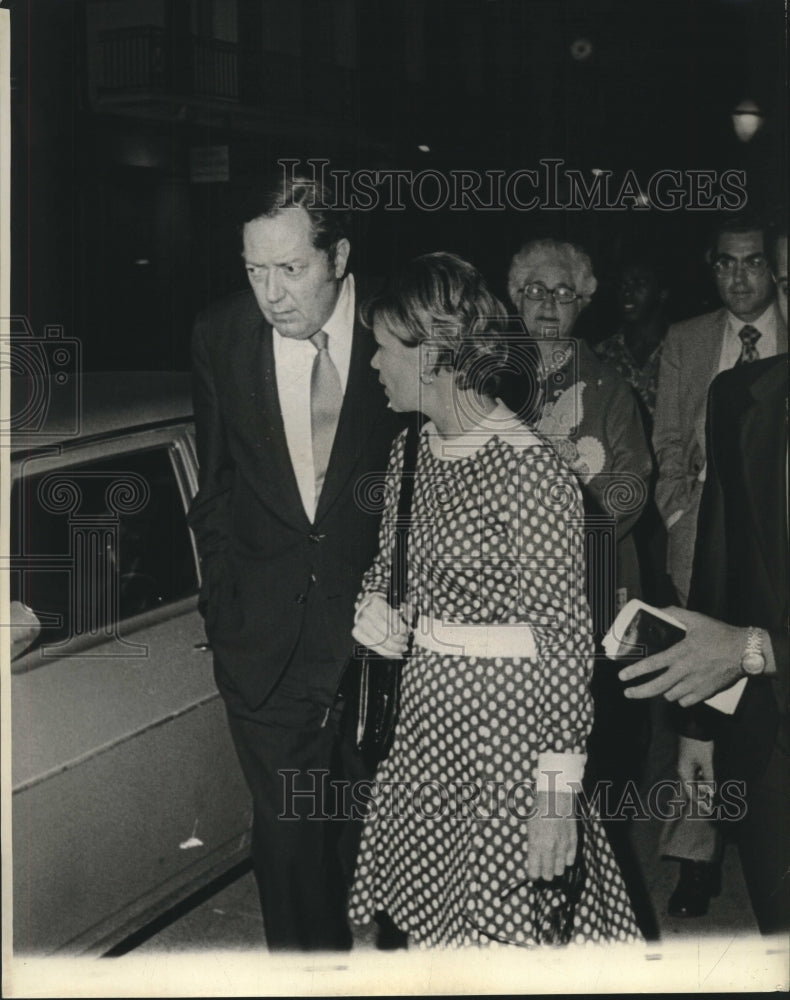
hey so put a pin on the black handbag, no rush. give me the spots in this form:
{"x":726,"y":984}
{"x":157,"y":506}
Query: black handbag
{"x":369,"y":691}
{"x":554,"y":903}
{"x":551,"y":904}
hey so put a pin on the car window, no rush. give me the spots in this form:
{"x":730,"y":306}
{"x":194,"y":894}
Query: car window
{"x":100,"y":542}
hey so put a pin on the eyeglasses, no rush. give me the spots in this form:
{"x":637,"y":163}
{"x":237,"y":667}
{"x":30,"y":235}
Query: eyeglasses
{"x":755,"y":264}
{"x":562,"y":294}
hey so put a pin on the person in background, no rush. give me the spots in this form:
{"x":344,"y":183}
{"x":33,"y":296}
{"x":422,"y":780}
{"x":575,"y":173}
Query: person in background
{"x":495,"y":691}
{"x":591,"y":416}
{"x":583,"y":406}
{"x":747,"y":328}
{"x":289,"y":418}
{"x":739,"y":625}
{"x":780,"y":274}
{"x":635,"y":349}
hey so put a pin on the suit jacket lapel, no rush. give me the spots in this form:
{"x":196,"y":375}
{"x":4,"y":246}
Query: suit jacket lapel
{"x":708,"y":351}
{"x":352,"y":427}
{"x":251,"y":371}
{"x":253,"y":374}
{"x":283,"y":475}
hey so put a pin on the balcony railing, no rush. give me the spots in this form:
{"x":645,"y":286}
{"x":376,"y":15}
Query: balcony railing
{"x":132,"y":59}
{"x":215,"y":69}
{"x":149,"y":60}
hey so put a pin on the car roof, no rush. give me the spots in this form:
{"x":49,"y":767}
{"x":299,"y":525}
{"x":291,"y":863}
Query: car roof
{"x":96,"y":404}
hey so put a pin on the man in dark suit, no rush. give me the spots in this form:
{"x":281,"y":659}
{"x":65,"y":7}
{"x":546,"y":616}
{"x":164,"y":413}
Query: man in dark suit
{"x":740,"y":578}
{"x":291,"y":422}
{"x":748,"y":327}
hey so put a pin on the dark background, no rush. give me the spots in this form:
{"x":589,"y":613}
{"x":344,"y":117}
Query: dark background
{"x":116,"y":240}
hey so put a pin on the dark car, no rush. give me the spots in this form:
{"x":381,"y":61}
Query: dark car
{"x":127,"y":795}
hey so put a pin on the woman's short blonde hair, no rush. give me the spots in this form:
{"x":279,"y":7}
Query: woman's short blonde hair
{"x":442,"y":301}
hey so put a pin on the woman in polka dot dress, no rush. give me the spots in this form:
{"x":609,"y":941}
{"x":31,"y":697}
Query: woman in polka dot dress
{"x":474,"y":802}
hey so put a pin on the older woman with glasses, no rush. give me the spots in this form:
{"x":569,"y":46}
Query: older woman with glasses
{"x":583,"y":406}
{"x":591,"y":416}
{"x":471,"y":836}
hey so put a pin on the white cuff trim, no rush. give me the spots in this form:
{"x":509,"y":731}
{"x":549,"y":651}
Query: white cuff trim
{"x":365,"y":602}
{"x":559,"y":772}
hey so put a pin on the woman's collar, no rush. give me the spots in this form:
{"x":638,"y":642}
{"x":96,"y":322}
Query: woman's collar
{"x":501,"y":422}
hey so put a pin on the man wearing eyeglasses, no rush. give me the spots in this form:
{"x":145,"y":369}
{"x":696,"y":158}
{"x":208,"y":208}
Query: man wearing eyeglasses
{"x":737,"y":630}
{"x":747,"y":328}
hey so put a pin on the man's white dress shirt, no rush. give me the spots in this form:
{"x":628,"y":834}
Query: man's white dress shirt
{"x":293,"y":364}
{"x":732,"y":344}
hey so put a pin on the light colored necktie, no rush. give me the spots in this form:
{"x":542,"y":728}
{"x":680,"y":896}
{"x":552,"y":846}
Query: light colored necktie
{"x":749,"y":336}
{"x":326,"y":398}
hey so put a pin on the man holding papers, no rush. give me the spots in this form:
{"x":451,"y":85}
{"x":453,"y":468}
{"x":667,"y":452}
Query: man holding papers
{"x":739,"y":585}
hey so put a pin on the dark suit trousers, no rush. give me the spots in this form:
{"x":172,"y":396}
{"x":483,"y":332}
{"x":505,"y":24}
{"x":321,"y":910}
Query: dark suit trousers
{"x":763,"y":839}
{"x":303,"y":850}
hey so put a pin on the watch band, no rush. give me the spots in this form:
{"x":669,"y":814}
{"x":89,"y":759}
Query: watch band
{"x":753,"y":659}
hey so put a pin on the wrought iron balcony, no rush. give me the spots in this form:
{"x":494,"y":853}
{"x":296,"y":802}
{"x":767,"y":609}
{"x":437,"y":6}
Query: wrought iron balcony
{"x":148,"y":60}
{"x":145,"y":63}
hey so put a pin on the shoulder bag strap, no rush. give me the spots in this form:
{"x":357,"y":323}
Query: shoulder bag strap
{"x":397,"y":588}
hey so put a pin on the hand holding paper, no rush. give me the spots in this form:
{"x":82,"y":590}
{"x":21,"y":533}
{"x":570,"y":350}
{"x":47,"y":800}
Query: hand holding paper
{"x":696,"y":667}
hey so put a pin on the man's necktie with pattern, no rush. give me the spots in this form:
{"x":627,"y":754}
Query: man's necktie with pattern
{"x":326,"y":398}
{"x":749,"y":336}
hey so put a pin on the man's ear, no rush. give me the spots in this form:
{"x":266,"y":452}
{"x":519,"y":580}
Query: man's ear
{"x":342,"y":250}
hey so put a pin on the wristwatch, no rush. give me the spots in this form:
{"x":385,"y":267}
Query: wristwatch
{"x":753,"y":660}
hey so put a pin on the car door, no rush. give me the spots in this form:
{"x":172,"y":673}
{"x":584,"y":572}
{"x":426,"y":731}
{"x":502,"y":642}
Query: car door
{"x":127,"y":794}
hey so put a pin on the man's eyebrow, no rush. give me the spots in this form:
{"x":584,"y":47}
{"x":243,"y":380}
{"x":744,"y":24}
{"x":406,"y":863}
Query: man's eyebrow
{"x":287,"y":261}
{"x":278,"y":263}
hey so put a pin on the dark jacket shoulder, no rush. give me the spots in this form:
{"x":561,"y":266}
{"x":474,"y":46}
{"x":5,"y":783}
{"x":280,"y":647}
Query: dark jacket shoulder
{"x":766,"y":375}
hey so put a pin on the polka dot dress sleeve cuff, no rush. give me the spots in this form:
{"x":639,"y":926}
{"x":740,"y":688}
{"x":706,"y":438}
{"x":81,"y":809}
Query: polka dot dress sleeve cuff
{"x":363,"y":601}
{"x":560,"y":772}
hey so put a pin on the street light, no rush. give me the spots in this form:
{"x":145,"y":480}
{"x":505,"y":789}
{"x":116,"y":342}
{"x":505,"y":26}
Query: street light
{"x":747,"y":120}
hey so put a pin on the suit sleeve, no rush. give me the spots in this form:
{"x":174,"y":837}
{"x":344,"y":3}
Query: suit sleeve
{"x":780,"y":642}
{"x":627,"y":444}
{"x":669,"y":434}
{"x":209,"y":515}
{"x":708,"y":592}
